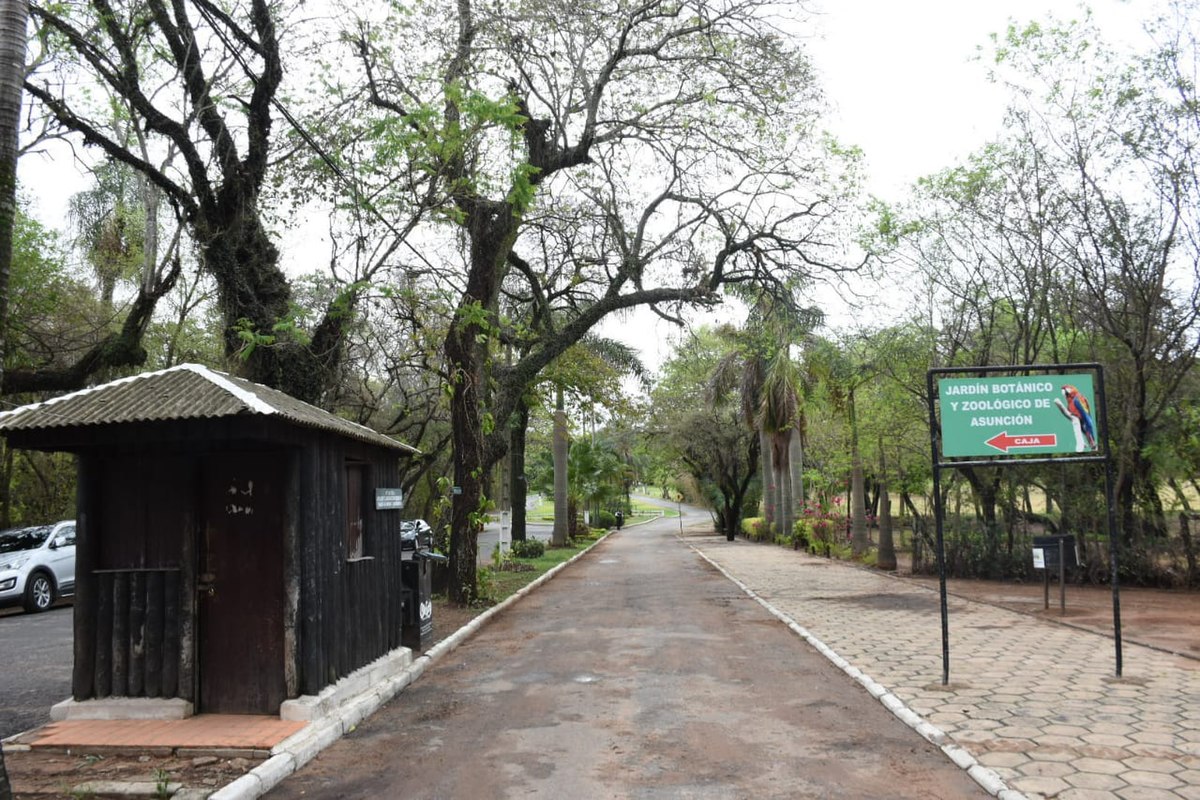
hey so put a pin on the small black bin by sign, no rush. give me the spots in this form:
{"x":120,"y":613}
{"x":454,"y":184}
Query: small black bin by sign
{"x":1049,"y":547}
{"x":418,"y":601}
{"x":416,"y":573}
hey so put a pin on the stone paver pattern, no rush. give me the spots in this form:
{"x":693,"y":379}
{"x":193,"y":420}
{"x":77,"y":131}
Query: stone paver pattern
{"x":1036,"y":702}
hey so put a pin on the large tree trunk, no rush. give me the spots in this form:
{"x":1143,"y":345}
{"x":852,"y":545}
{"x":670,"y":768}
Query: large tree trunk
{"x":778,"y":478}
{"x":796,"y":466}
{"x":859,"y":540}
{"x":731,"y":514}
{"x":918,"y":530}
{"x":14,"y":17}
{"x":1145,"y":488}
{"x":858,"y":501}
{"x":518,"y":488}
{"x":887,"y":545}
{"x":787,"y":498}
{"x":768,"y":478}
{"x":255,"y":297}
{"x":783,"y":481}
{"x":492,"y":231}
{"x":1189,"y":550}
{"x":465,"y":423}
{"x":6,"y":474}
{"x":560,"y":451}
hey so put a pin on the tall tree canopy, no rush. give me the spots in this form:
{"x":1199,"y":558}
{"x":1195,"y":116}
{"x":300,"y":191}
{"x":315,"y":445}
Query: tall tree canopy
{"x":589,"y":158}
{"x":146,"y":81}
{"x":1075,"y":235}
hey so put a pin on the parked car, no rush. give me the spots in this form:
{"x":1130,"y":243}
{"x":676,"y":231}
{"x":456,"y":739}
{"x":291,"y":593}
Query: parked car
{"x":415,"y":534}
{"x":37,"y":565}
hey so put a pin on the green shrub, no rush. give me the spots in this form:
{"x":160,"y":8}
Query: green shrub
{"x":756,"y":529}
{"x":483,"y":588}
{"x":605,"y":520}
{"x":802,"y":534}
{"x":528,"y":548}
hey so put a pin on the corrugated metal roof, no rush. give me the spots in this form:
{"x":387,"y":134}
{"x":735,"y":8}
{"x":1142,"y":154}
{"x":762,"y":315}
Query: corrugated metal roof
{"x":187,"y":391}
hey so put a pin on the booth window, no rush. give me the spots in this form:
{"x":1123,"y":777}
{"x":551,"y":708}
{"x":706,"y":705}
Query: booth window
{"x":356,"y":474}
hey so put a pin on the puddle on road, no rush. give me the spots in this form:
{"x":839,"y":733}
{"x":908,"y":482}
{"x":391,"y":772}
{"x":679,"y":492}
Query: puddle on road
{"x":586,"y":678}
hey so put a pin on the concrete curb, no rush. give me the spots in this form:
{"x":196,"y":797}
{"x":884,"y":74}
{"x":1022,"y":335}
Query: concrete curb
{"x":297,"y":750}
{"x":988,"y":780}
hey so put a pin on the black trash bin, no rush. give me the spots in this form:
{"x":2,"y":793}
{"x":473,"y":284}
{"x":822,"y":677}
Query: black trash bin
{"x":416,"y":560}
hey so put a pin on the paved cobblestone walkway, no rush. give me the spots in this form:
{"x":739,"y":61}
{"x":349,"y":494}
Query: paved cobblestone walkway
{"x":1036,"y":702}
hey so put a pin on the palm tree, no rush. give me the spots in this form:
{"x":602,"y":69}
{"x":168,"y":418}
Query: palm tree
{"x":595,"y":476}
{"x":14,"y":18}
{"x":778,"y":418}
{"x":761,"y":369}
{"x":111,"y":222}
{"x":796,"y":461}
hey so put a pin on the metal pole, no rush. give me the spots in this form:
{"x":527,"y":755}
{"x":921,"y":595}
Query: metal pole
{"x":1110,"y":495}
{"x":1113,"y":546}
{"x":937,"y":513}
{"x":1062,"y":576}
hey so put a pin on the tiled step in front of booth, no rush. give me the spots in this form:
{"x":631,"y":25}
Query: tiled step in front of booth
{"x":223,"y":733}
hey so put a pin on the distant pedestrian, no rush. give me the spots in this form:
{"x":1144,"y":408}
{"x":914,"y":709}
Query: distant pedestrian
{"x":620,"y":519}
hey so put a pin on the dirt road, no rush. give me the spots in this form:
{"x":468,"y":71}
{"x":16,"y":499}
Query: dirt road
{"x":638,"y":672}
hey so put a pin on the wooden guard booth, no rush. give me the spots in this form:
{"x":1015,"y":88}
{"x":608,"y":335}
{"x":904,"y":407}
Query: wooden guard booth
{"x":229,"y":547}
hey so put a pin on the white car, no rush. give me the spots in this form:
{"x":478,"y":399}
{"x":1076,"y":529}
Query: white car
{"x":37,"y":565}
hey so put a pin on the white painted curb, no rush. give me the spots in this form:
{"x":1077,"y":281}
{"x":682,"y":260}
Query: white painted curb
{"x":992,"y":783}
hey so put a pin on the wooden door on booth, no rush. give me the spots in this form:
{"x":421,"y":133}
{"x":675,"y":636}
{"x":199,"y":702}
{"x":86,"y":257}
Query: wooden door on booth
{"x":240,"y":585}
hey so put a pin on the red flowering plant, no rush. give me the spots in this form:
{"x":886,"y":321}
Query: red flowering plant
{"x":819,"y":522}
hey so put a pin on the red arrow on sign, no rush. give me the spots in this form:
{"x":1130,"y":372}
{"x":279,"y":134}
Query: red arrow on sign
{"x":1003,"y":442}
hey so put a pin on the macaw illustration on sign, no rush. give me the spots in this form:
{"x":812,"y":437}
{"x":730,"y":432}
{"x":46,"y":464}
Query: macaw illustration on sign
{"x":1076,"y":408}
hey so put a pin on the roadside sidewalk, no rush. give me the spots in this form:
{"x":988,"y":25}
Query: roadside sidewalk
{"x":1035,"y":702}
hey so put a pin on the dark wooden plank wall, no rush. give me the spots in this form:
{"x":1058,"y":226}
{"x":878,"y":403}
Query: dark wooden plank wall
{"x":350,"y":611}
{"x":132,"y":604}
{"x":137,"y":643}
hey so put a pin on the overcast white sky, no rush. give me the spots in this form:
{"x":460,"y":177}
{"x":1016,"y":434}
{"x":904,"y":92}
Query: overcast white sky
{"x":903,"y":84}
{"x":900,"y":79}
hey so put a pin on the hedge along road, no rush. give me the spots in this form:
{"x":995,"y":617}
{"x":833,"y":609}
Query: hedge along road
{"x":637,"y":672}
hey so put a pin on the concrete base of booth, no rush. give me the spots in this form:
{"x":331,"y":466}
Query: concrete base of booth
{"x":122,"y":708}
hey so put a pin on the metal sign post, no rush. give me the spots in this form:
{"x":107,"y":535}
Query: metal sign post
{"x":1038,"y":414}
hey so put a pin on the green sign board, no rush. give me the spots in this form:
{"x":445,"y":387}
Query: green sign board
{"x":1029,"y":415}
